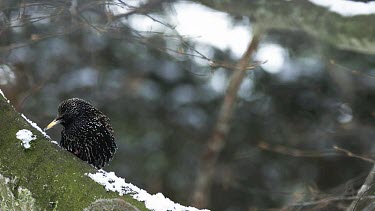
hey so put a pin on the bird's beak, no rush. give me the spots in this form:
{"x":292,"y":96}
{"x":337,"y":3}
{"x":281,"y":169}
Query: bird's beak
{"x":52,"y":124}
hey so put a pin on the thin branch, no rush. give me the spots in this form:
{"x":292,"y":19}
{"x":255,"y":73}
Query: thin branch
{"x":26,"y":5}
{"x":369,"y":182}
{"x":34,"y":39}
{"x":354,"y":72}
{"x":143,"y":9}
{"x":296,"y":152}
{"x":300,"y":153}
{"x":351,"y":154}
{"x":143,"y":40}
{"x":329,"y":199}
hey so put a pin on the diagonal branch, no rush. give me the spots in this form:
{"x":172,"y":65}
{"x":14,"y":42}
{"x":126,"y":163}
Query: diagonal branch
{"x":366,"y":190}
{"x":217,"y":140}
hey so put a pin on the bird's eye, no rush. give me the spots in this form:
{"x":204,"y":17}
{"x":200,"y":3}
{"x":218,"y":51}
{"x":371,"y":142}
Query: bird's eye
{"x":61,"y":117}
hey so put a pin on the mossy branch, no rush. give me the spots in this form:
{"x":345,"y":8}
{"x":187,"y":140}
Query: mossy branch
{"x":54,"y":178}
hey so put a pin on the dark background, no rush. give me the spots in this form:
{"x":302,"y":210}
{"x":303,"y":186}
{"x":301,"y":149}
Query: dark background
{"x":163,"y":105}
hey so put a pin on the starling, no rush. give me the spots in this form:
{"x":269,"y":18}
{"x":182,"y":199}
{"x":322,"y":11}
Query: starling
{"x":87,"y":132}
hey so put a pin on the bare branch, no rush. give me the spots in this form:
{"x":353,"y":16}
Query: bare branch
{"x":351,"y":154}
{"x":34,"y":39}
{"x":327,"y":200}
{"x":217,"y":140}
{"x":354,"y":72}
{"x":143,"y":9}
{"x":296,"y":152}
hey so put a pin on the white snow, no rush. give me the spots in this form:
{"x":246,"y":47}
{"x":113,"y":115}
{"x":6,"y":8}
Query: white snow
{"x":26,"y":136}
{"x":347,"y":8}
{"x":31,"y":122}
{"x":1,"y":92}
{"x":7,"y":76}
{"x":156,"y":202}
{"x":219,"y":81}
{"x":211,"y":27}
{"x":274,"y":54}
{"x":39,"y":129}
{"x":36,"y":127}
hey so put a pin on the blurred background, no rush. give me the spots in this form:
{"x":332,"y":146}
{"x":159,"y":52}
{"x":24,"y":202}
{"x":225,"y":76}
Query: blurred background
{"x":159,"y":69}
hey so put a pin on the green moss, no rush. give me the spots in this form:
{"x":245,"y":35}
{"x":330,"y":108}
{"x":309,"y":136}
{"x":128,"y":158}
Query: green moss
{"x":111,"y":204}
{"x":13,"y":197}
{"x":55,"y":177}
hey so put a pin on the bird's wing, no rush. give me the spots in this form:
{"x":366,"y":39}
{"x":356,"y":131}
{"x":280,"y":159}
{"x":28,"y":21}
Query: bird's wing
{"x":106,"y":122}
{"x":99,"y":142}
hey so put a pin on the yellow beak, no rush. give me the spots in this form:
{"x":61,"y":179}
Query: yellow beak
{"x":52,"y":124}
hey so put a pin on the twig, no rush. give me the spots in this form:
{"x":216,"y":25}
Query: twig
{"x":143,"y":40}
{"x":143,"y":9}
{"x":369,"y":182}
{"x":330,"y":199}
{"x":351,"y":154}
{"x":33,"y":39}
{"x":296,"y":152}
{"x":354,"y":72}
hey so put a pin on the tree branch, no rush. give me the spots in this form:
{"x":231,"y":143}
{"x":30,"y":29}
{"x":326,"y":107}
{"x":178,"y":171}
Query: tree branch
{"x":217,"y":140}
{"x":53,"y":178}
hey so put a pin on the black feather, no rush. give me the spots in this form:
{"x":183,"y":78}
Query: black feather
{"x":87,"y":132}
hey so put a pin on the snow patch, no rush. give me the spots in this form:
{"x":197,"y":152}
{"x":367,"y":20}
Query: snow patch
{"x":1,"y":92}
{"x":26,"y":136}
{"x":31,"y":122}
{"x":7,"y":76}
{"x":54,"y":142}
{"x":35,"y":126}
{"x":206,"y":24}
{"x":347,"y":8}
{"x":156,"y":202}
{"x":39,"y":129}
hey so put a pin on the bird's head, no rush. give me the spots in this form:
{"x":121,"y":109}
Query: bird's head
{"x":69,"y":110}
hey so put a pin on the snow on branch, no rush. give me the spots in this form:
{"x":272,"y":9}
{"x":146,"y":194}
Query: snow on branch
{"x":347,"y":8}
{"x":156,"y":202}
{"x":26,"y":136}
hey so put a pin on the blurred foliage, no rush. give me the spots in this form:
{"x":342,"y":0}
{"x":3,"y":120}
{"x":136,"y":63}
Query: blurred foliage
{"x":162,"y":105}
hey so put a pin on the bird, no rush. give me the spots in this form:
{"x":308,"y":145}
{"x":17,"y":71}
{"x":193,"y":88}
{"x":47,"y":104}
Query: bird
{"x":87,"y":132}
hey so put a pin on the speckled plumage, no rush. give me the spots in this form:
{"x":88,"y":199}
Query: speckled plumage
{"x":87,"y":132}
